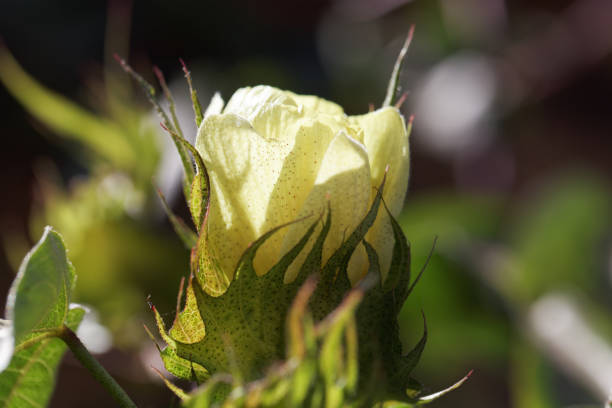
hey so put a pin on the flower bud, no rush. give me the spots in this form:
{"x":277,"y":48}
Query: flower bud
{"x":274,"y":157}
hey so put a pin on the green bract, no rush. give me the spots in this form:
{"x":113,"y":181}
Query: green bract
{"x":289,"y":187}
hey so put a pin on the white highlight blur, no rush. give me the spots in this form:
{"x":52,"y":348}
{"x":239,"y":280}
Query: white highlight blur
{"x":453,"y":102}
{"x":96,"y":338}
{"x":559,"y":326}
{"x":119,"y":188}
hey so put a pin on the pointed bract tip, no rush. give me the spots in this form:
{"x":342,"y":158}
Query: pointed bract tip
{"x":121,"y":62}
{"x":185,"y":69}
{"x":394,"y":80}
{"x":401,"y":100}
{"x":159,"y":74}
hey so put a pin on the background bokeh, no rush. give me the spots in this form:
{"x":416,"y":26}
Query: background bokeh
{"x":511,"y":169}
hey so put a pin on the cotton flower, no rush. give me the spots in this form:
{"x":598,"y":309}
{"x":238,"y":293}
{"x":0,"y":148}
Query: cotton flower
{"x":274,"y":157}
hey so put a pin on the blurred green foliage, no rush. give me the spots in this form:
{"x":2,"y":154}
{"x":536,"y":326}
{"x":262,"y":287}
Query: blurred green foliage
{"x":108,"y":219}
{"x":553,"y":240}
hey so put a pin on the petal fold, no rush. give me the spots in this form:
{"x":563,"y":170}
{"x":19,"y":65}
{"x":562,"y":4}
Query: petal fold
{"x":386,"y":140}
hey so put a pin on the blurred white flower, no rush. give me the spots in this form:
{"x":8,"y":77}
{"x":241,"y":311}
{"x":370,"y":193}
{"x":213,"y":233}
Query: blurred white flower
{"x":453,"y":103}
{"x":96,"y":338}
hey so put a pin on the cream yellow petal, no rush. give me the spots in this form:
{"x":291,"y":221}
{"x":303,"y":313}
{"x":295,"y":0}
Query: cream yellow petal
{"x":343,"y":180}
{"x":386,"y":141}
{"x":294,"y":184}
{"x":258,"y":181}
{"x":265,"y":106}
{"x":215,"y":106}
{"x":243,"y":169}
{"x":253,"y":102}
{"x":274,"y":157}
{"x":313,"y":105}
{"x":328,"y":113}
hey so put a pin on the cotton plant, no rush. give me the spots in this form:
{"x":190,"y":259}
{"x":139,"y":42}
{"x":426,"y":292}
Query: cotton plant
{"x":298,"y":267}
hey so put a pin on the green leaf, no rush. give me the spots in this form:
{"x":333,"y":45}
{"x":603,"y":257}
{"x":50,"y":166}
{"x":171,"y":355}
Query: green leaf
{"x":39,"y":297}
{"x":29,"y":379}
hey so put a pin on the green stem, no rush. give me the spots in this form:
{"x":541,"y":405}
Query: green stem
{"x":96,"y":370}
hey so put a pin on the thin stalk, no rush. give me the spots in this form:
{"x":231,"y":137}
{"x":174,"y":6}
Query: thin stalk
{"x":96,"y":370}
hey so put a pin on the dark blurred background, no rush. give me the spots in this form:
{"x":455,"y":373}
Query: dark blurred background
{"x":511,"y":169}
